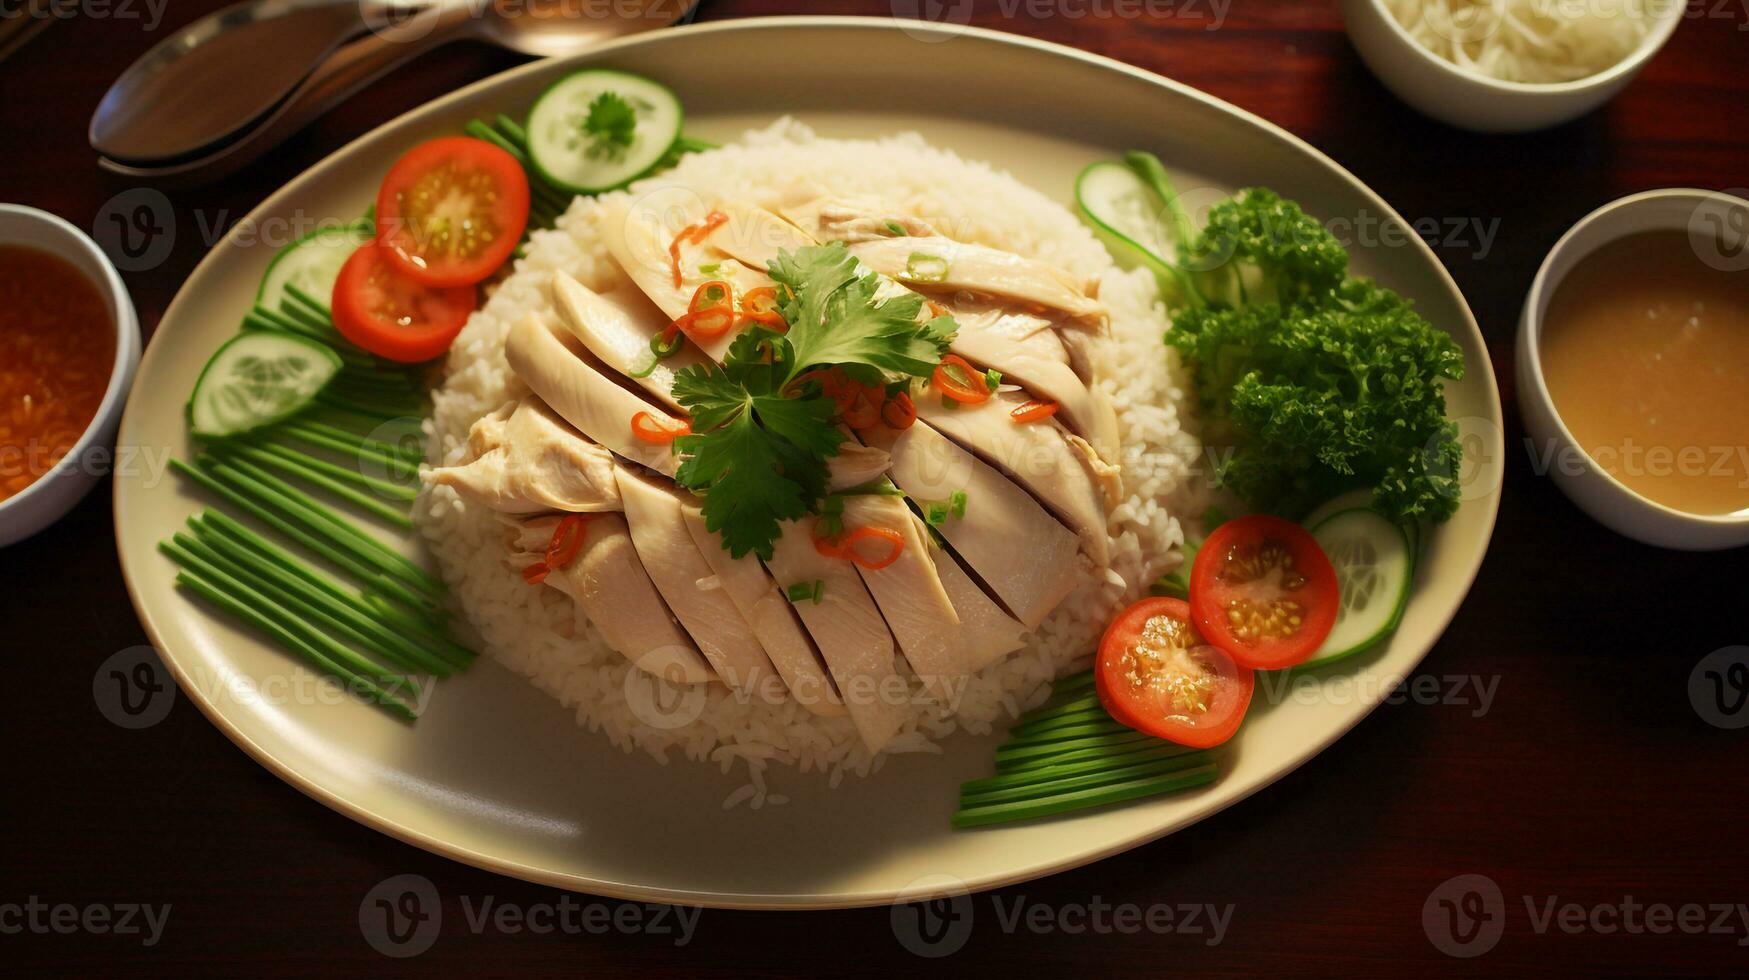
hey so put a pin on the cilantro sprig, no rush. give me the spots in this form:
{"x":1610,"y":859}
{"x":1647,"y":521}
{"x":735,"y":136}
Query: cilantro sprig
{"x":763,"y":428}
{"x":610,"y":125}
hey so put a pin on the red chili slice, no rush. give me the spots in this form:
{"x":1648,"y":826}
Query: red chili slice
{"x":1034,"y":411}
{"x":659,"y":431}
{"x":958,"y":380}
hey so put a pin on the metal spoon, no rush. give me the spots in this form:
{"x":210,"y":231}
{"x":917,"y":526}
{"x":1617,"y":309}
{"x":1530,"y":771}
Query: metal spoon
{"x":217,"y":76}
{"x":149,"y":130}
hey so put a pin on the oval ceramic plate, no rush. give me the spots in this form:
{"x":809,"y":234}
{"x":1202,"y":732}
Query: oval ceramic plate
{"x":496,"y":774}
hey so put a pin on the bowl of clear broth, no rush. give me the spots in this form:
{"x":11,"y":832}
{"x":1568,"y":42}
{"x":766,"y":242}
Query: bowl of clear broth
{"x":1633,"y":367}
{"x":69,"y":345}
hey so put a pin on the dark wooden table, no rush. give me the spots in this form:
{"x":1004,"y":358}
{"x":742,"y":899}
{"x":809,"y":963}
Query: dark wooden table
{"x":1590,"y":779}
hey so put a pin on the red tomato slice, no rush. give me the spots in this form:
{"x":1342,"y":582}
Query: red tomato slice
{"x":1263,"y":591}
{"x":451,"y":211}
{"x":378,"y":308}
{"x":1156,"y":675}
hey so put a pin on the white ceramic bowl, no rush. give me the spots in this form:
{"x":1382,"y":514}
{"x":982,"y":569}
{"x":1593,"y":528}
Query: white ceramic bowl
{"x":1703,"y":214}
{"x":55,"y":492}
{"x":1470,"y":101}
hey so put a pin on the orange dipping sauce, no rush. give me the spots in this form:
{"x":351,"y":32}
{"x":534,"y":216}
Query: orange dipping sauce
{"x":1646,"y":355}
{"x":57,"y":349}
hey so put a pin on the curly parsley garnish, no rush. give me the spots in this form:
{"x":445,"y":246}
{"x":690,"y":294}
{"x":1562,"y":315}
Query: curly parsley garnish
{"x":1326,"y":381}
{"x":610,"y":125}
{"x":763,"y":428}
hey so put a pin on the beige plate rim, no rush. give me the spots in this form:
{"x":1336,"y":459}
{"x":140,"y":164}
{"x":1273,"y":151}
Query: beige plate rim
{"x":1029,"y":867}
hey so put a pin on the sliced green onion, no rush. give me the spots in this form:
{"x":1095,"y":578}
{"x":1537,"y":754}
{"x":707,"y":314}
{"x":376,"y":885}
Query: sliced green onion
{"x":935,"y":515}
{"x":819,"y":590}
{"x":664,"y":346}
{"x":957,"y":503}
{"x":648,"y":369}
{"x":355,"y":664}
{"x":978,"y":816}
{"x":380,"y":487}
{"x":1046,"y":784}
{"x":218,"y":596}
{"x":923,"y":267}
{"x":308,"y":603}
{"x":992,"y":379}
{"x":710,"y":268}
{"x":1062,"y":770}
{"x":799,"y":592}
{"x":397,"y":517}
{"x":897,"y":229}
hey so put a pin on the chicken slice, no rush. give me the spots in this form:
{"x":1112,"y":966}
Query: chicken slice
{"x":848,"y":629}
{"x":1036,"y":455}
{"x":1030,"y":353}
{"x":1023,"y":554}
{"x":617,"y":326}
{"x":608,"y":580}
{"x":557,"y":367}
{"x":853,"y":219}
{"x":691,"y":589}
{"x":638,"y":235}
{"x":910,"y":594}
{"x":987,"y":632}
{"x":855,"y":465}
{"x":747,"y":584}
{"x":524,"y":459}
{"x":753,"y":236}
{"x":937,"y":264}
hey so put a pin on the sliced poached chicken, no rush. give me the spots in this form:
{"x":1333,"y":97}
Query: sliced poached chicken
{"x":690,"y":587}
{"x":608,"y":580}
{"x":524,"y":459}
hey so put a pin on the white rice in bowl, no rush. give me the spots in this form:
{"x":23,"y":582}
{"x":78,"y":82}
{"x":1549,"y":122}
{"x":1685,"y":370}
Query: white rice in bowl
{"x":542,"y":635}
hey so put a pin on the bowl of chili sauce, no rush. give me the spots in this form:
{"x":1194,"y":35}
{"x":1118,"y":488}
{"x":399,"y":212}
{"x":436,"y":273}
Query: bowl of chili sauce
{"x":69,"y":345}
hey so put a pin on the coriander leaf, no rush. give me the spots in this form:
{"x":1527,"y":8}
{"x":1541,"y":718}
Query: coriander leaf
{"x":752,"y":479}
{"x":610,"y":124}
{"x":757,"y":456}
{"x":835,"y":318}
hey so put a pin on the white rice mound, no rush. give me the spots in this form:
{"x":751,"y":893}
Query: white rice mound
{"x":542,"y":635}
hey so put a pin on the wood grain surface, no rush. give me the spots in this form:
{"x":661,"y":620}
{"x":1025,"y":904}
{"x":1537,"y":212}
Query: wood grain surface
{"x":1590,"y":779}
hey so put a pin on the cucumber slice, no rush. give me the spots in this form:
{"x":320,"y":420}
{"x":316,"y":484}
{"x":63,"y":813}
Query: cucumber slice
{"x":1373,"y":573}
{"x":257,"y":379}
{"x":1363,"y":498}
{"x":311,"y":263}
{"x":568,"y":157}
{"x":1127,"y":215}
{"x":1135,"y":223}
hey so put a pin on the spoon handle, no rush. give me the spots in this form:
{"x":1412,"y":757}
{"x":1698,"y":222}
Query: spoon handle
{"x":350,"y":68}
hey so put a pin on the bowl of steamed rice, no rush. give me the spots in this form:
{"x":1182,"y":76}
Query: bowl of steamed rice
{"x":1507,"y":66}
{"x":1057,"y":588}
